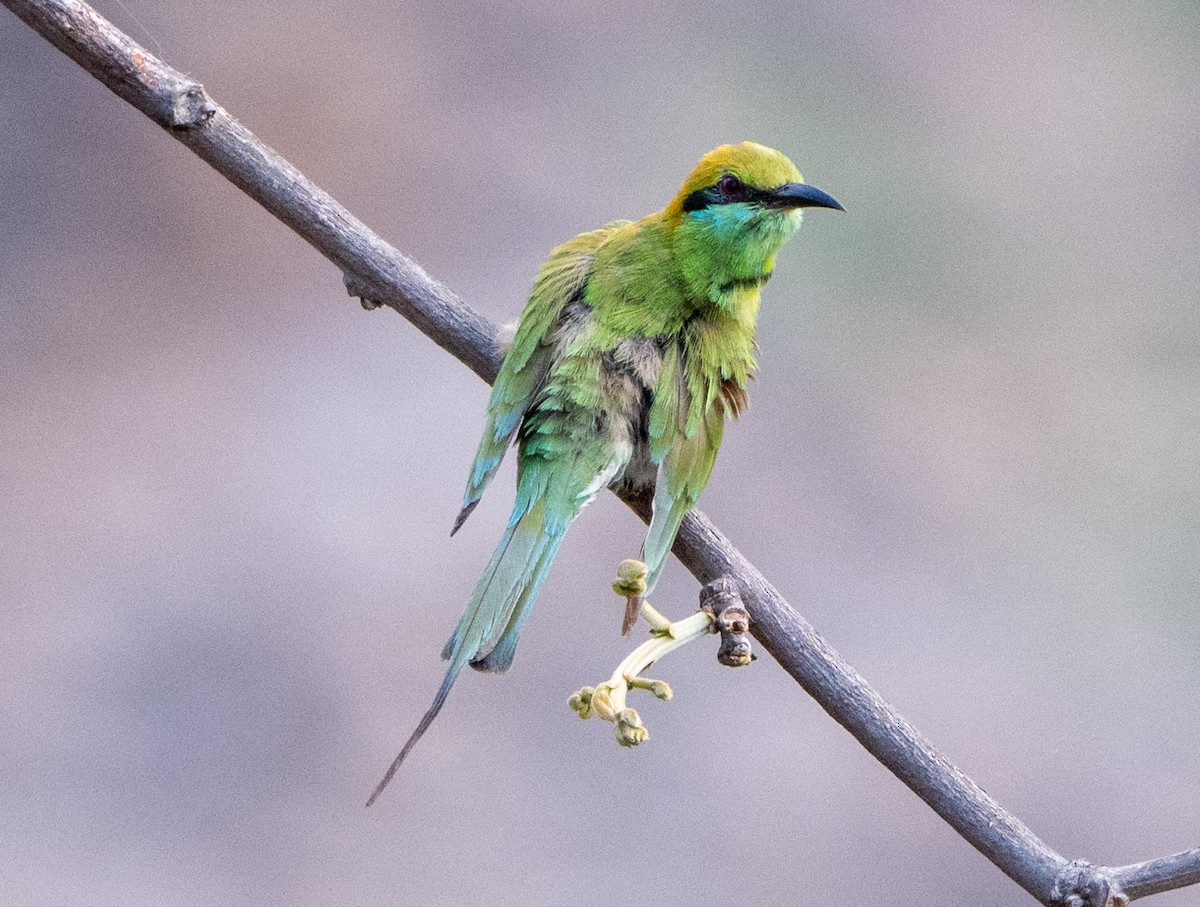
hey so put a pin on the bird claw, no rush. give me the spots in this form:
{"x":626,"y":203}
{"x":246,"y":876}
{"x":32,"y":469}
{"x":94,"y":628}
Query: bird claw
{"x":630,"y":730}
{"x":581,"y":702}
{"x":721,"y":611}
{"x":606,"y":700}
{"x":631,"y":578}
{"x":631,"y":585}
{"x":660,"y":688}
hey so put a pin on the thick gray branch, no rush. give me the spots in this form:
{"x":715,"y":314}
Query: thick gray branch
{"x":377,"y":272}
{"x":846,"y":696}
{"x":183,"y":107}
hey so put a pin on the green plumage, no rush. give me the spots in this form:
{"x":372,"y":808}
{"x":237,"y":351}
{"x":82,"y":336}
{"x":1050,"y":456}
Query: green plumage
{"x":636,"y":343}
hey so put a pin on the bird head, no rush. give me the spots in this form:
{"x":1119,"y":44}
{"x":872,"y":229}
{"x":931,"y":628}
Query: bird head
{"x":733,"y":214}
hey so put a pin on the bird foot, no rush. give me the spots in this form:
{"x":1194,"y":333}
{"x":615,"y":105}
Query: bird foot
{"x":607,"y":700}
{"x":630,"y":584}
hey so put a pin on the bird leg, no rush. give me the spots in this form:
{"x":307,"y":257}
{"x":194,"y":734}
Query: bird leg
{"x":630,"y":584}
{"x":608,"y":699}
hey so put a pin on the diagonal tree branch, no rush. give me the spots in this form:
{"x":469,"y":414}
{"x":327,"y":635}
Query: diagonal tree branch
{"x":379,"y":274}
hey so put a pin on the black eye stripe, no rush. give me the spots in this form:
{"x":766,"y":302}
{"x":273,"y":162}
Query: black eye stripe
{"x":700,"y":199}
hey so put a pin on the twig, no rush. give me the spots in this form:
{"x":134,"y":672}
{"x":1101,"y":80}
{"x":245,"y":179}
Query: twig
{"x":378,"y":273}
{"x":1164,"y":874}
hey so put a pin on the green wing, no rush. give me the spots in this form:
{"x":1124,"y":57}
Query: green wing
{"x":527,"y":363}
{"x":686,"y":426}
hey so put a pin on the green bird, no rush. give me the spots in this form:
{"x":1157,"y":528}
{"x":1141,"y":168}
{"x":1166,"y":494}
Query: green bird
{"x":635,"y":345}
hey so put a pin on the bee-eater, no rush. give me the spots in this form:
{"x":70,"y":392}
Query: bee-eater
{"x":637,"y":341}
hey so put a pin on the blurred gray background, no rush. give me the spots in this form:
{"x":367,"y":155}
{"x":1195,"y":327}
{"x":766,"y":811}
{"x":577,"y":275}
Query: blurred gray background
{"x":972,"y":458}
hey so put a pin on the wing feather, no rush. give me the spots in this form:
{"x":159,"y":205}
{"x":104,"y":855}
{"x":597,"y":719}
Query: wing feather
{"x":560,"y":281}
{"x":684,"y":439}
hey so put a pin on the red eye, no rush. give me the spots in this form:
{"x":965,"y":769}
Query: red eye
{"x":730,"y":184}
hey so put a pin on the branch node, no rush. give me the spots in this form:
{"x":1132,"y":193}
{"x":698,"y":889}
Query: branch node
{"x":357,"y":287}
{"x":1082,"y":884}
{"x":723,"y":600}
{"x":189,"y":106}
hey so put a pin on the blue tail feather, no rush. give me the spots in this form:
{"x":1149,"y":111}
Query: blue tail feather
{"x":500,"y":658}
{"x":499,"y":605}
{"x":439,"y":700}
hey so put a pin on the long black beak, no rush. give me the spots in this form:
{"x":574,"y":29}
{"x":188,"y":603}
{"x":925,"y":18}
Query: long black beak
{"x":802,"y":195}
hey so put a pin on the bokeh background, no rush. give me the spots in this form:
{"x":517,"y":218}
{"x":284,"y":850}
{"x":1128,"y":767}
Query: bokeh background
{"x":972,"y":458}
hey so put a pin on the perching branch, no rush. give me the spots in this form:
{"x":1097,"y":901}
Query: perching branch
{"x":378,"y":273}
